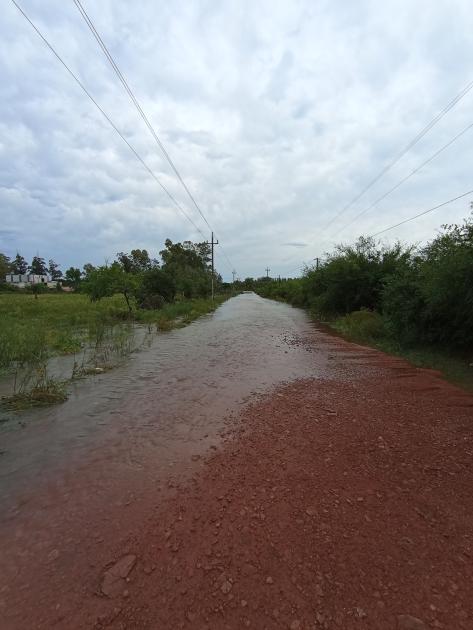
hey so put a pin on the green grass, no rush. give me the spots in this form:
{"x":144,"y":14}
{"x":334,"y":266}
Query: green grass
{"x":180,"y":313}
{"x":368,"y":329}
{"x":31,"y":330}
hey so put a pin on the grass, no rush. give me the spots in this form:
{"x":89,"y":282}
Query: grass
{"x":180,"y":313}
{"x":33,"y":330}
{"x":61,"y":323}
{"x":49,"y":393}
{"x":367,"y":328}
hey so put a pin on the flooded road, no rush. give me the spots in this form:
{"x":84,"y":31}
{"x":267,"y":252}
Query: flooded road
{"x":168,"y":395}
{"x":87,"y":470}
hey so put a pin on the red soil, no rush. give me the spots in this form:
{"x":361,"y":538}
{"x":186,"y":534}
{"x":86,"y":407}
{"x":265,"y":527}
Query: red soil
{"x":332,"y":504}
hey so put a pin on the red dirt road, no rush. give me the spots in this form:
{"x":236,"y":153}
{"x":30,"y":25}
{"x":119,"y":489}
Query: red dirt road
{"x":331,"y":504}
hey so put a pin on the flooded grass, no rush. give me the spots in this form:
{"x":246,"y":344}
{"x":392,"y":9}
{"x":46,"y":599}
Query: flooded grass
{"x":49,"y":393}
{"x":99,"y":335}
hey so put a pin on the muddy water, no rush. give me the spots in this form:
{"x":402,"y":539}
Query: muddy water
{"x":123,"y":436}
{"x":176,"y":390}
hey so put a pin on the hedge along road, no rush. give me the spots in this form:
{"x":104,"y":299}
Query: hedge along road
{"x":220,"y":479}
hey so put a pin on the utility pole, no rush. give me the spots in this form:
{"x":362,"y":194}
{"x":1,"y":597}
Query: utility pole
{"x":213,"y":270}
{"x":267,"y":271}
{"x":234,"y":274}
{"x":317,"y":262}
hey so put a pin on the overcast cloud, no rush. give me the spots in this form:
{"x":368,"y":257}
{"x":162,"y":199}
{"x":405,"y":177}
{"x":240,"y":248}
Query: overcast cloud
{"x":276,"y":114}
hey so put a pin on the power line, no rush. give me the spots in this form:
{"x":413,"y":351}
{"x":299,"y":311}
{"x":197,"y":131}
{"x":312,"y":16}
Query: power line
{"x":406,"y":149}
{"x":416,"y":216}
{"x":136,"y":103}
{"x":404,"y":179}
{"x":107,"y":118}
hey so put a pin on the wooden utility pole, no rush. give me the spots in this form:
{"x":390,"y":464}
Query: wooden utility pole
{"x":267,"y":271}
{"x":213,"y":269}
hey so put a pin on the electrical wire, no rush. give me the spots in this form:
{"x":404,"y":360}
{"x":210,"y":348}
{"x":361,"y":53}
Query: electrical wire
{"x":404,"y":179}
{"x":136,"y":103}
{"x":107,"y":118}
{"x":406,"y":149}
{"x":416,"y":216}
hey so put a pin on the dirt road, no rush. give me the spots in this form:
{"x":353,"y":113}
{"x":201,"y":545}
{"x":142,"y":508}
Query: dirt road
{"x":338,"y":495}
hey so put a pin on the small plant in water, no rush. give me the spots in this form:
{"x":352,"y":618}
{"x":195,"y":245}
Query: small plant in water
{"x":47,"y":392}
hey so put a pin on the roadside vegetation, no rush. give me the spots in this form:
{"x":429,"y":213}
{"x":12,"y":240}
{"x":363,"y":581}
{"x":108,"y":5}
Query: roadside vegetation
{"x":97,"y":319}
{"x":414,"y":302}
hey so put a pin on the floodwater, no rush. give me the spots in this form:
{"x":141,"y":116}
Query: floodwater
{"x":174,"y":391}
{"x":127,"y":435}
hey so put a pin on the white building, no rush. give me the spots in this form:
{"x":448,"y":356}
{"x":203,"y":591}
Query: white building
{"x":27,"y":279}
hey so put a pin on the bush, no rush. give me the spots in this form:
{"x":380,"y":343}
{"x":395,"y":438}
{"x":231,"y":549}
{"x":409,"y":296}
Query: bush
{"x":403,"y":305}
{"x":424,"y":297}
{"x":430,"y":300}
{"x":156,"y":288}
{"x":447,"y":286}
{"x":361,"y":325}
{"x":353,"y":277}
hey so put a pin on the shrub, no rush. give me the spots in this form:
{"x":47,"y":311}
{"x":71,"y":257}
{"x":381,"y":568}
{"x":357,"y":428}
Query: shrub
{"x":361,"y":325}
{"x":156,"y":288}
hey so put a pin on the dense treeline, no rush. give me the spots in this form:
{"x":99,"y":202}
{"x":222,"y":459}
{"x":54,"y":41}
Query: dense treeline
{"x":38,"y":266}
{"x":413,"y":295}
{"x":182,"y":271}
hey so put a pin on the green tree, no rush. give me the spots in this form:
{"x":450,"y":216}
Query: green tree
{"x":136,"y":261}
{"x":187,"y":264}
{"x":88,"y":268}
{"x":38,"y":266}
{"x":5,"y":266}
{"x":353,"y":277}
{"x":54,"y":270}
{"x":157,"y":287}
{"x":106,"y":281}
{"x":19,"y":265}
{"x":73,"y":277}
{"x":37,"y":288}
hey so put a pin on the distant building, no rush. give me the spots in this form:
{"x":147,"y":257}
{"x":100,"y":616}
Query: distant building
{"x":22,"y":281}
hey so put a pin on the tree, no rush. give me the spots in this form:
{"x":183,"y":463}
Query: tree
{"x":106,"y":281}
{"x":135,"y":262}
{"x":73,"y":277}
{"x":5,"y":266}
{"x":88,"y":269}
{"x":38,"y":266}
{"x":54,"y":270}
{"x":187,"y":264}
{"x":37,"y":288}
{"x":19,"y":265}
{"x":157,"y":288}
{"x":353,"y":277}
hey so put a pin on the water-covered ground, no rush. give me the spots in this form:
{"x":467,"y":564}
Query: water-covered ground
{"x":165,"y":397}
{"x":126,"y":436}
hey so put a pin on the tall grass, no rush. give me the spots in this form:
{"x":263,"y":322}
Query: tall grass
{"x":99,"y":333}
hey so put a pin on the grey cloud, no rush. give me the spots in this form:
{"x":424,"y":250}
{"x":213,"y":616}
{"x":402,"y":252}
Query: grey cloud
{"x":276,"y":114}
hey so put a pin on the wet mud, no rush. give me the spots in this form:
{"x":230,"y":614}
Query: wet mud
{"x":247,"y":471}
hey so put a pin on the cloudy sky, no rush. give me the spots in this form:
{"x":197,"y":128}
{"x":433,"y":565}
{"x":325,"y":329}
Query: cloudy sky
{"x":277,"y":114}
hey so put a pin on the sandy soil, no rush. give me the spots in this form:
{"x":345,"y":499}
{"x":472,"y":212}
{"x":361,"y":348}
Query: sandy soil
{"x":330,"y":504}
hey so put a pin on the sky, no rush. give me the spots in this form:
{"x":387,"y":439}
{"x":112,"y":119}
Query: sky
{"x":276,"y":114}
